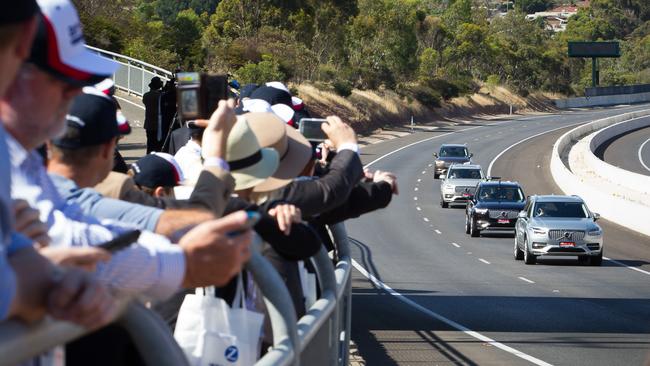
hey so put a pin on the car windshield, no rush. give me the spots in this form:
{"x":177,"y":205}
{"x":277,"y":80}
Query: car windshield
{"x":465,"y":174}
{"x":500,"y":193}
{"x":453,"y":151}
{"x":560,"y":209}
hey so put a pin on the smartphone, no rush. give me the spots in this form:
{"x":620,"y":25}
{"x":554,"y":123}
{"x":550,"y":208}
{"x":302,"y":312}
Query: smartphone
{"x":311,"y":129}
{"x":121,"y":241}
{"x":252,"y":218}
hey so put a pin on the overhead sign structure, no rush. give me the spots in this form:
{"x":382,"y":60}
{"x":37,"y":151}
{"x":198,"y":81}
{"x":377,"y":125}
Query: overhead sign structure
{"x":594,"y":50}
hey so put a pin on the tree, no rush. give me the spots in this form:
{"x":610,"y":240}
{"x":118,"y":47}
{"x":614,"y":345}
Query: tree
{"x":533,"y":6}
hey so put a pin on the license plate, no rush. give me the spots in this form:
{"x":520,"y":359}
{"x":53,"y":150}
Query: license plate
{"x":503,"y":221}
{"x":567,"y":244}
{"x":466,"y":195}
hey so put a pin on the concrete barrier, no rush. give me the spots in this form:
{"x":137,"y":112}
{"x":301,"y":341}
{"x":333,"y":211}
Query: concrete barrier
{"x":604,"y":100}
{"x":605,"y":199}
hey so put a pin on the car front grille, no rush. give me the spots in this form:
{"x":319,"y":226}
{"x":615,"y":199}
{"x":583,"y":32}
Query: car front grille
{"x":461,"y":189}
{"x":499,"y":214}
{"x":562,"y":234}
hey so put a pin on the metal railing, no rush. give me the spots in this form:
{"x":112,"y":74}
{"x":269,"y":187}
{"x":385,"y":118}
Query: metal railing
{"x":320,"y":337}
{"x":134,"y":75}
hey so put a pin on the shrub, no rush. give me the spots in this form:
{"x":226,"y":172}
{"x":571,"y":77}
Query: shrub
{"x":342,"y":87}
{"x":424,"y":94}
{"x":261,"y":72}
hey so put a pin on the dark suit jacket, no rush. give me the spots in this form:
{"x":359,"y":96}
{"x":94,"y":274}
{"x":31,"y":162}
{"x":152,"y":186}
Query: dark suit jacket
{"x":365,"y":197}
{"x":150,"y":101}
{"x":178,"y":139}
{"x":314,"y":196}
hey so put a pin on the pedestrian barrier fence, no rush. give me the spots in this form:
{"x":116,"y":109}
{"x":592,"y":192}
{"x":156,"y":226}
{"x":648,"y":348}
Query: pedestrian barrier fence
{"x":134,"y":75}
{"x":320,"y":337}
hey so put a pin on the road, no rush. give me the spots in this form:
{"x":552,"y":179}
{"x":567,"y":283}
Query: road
{"x":438,"y":296}
{"x":630,"y":151}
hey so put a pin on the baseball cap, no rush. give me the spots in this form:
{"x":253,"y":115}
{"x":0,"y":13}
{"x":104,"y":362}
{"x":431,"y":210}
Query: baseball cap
{"x":92,"y":120}
{"x":20,"y":11}
{"x":157,"y":170}
{"x":59,"y":47}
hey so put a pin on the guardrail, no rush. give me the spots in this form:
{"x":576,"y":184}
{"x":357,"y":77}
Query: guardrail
{"x":611,"y":204}
{"x":134,"y":75}
{"x":321,"y":337}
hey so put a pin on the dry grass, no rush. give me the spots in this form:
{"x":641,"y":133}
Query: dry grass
{"x":367,"y":110}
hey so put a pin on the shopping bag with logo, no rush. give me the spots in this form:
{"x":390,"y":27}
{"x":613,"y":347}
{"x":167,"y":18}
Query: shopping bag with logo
{"x":211,"y":333}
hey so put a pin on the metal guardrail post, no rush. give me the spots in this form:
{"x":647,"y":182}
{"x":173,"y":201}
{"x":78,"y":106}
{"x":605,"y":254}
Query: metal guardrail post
{"x":281,"y":311}
{"x":344,"y":285}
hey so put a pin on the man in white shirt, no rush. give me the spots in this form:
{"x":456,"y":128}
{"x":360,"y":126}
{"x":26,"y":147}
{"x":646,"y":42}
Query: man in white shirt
{"x":189,"y":157}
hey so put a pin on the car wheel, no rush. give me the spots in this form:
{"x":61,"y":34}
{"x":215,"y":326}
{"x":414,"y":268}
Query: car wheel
{"x":519,"y":255}
{"x":596,"y":261}
{"x":466,"y":224}
{"x":583,"y":259}
{"x":443,"y":204}
{"x":529,"y":258}
{"x":435,"y":176}
{"x":473,"y":231}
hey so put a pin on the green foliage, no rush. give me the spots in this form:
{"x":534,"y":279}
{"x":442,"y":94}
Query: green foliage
{"x":427,"y":50}
{"x":261,"y":72}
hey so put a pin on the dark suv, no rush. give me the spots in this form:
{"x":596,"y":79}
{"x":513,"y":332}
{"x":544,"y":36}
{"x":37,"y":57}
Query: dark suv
{"x":494,"y":206}
{"x":450,"y":154}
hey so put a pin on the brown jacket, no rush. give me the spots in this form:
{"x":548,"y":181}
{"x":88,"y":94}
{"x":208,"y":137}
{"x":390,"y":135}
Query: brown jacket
{"x":212,"y":191}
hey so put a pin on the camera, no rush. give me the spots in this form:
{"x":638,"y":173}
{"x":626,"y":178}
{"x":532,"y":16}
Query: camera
{"x":198,"y":94}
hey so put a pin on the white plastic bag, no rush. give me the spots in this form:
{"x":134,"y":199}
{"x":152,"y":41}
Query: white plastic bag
{"x":213,"y":334}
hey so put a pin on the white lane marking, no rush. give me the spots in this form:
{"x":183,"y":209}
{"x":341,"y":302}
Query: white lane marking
{"x":130,"y":102}
{"x":432,"y":138}
{"x":526,"y":280}
{"x":437,"y":231}
{"x":484,"y":261}
{"x":418,"y":208}
{"x":429,"y":164}
{"x":641,"y":157}
{"x":625,"y":265}
{"x":415,"y":198}
{"x":489,"y":171}
{"x":448,"y":321}
{"x":424,"y":172}
{"x":425,"y":219}
{"x":419,"y":180}
{"x":416,"y":189}
{"x":456,"y":245}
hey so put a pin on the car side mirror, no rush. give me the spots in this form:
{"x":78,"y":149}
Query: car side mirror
{"x":471,"y":154}
{"x":596,"y":216}
{"x":522,"y":214}
{"x":435,"y":155}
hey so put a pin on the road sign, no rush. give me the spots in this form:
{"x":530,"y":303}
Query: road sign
{"x":594,"y":49}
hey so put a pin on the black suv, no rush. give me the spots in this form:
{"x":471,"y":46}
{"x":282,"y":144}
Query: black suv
{"x":494,"y":206}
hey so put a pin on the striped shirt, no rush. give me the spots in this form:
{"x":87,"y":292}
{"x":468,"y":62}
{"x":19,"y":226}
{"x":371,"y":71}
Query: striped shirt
{"x":152,"y":267}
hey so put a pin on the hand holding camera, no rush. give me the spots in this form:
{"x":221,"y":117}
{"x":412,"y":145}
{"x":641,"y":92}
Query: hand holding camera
{"x":338,"y":132}
{"x":217,"y":129}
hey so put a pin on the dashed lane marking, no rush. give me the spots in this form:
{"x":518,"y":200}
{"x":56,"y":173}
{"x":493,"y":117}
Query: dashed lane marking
{"x":425,"y":219}
{"x":484,"y":261}
{"x":456,"y":245}
{"x":418,"y":208}
{"x":526,"y":280}
{"x":438,"y":231}
{"x":446,"y":320}
{"x":416,"y":189}
{"x":415,"y":198}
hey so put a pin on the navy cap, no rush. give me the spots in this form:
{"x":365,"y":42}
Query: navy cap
{"x":92,"y":120}
{"x":20,"y":11}
{"x":247,"y":90}
{"x":157,"y":170}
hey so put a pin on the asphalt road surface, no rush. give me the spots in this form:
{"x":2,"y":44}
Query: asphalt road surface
{"x":425,"y":293}
{"x":630,"y":151}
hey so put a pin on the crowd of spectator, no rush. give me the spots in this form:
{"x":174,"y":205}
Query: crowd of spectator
{"x":62,"y":193}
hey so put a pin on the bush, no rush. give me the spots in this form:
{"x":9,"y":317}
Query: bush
{"x":424,"y":94}
{"x":492,"y":80}
{"x":326,"y":73}
{"x":261,"y":72}
{"x":342,"y":87}
{"x":444,"y":88}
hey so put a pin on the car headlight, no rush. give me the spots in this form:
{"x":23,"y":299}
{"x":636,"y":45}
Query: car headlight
{"x":595,"y":232}
{"x":539,"y":230}
{"x":481,"y":211}
{"x":440,"y":163}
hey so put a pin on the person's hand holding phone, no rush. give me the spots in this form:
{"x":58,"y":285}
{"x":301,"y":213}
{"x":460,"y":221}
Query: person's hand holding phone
{"x":338,"y":132}
{"x":217,"y":129}
{"x":213,"y":255}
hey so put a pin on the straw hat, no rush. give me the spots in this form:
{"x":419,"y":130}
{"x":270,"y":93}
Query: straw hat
{"x":294,"y":150}
{"x":249,"y":164}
